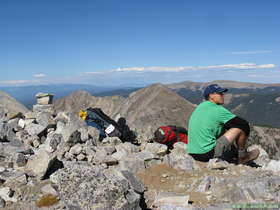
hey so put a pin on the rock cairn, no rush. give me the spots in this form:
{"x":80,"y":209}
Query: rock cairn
{"x":45,"y":154}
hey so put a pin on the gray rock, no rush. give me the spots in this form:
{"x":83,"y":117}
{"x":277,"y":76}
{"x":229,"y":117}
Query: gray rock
{"x":273,"y":165}
{"x":2,"y":203}
{"x":180,"y":146}
{"x":156,"y":148}
{"x":131,"y":164}
{"x":43,"y":108}
{"x":152,"y":162}
{"x":99,"y":156}
{"x":109,"y":161}
{"x":93,"y":133}
{"x":45,"y":119}
{"x":256,"y":185}
{"x":127,"y":146}
{"x":69,"y":156}
{"x":36,"y":143}
{"x":204,"y":184}
{"x":71,"y":133}
{"x":134,"y":182}
{"x":8,"y":149}
{"x":59,"y":127}
{"x":144,"y":155}
{"x":13,"y":123}
{"x":84,"y":134}
{"x":108,"y":149}
{"x":6,"y":132}
{"x":216,"y":163}
{"x":52,"y":141}
{"x":41,"y":164}
{"x":113,"y":141}
{"x":20,"y":160}
{"x":121,"y":153}
{"x":76,"y":149}
{"x":28,"y":121}
{"x":81,"y":157}
{"x":181,"y":161}
{"x":89,"y":150}
{"x":30,"y":115}
{"x":35,"y":129}
{"x":13,"y":176}
{"x":85,"y":186}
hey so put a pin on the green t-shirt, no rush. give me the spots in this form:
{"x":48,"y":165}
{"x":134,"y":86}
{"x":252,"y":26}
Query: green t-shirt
{"x":206,"y":124}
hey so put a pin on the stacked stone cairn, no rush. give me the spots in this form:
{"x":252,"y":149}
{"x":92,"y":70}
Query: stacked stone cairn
{"x":47,"y":155}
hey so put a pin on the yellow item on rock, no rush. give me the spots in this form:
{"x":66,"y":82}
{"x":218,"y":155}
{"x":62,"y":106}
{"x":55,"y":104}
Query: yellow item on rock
{"x":83,"y":114}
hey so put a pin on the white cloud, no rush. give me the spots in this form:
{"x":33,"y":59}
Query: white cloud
{"x":39,"y":75}
{"x":93,"y":73}
{"x":15,"y":82}
{"x":194,"y":68}
{"x":251,"y":52}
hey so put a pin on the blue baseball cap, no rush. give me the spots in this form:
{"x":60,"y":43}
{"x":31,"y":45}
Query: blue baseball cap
{"x":214,"y":88}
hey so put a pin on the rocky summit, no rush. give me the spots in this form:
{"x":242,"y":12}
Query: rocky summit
{"x":50,"y":159}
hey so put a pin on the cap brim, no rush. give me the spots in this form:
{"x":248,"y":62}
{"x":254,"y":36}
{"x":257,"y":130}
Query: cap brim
{"x":222,"y":90}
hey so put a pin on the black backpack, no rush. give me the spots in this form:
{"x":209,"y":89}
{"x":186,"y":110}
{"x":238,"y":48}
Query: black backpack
{"x":109,"y":126}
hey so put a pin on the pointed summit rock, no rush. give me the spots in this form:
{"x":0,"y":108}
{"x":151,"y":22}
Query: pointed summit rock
{"x":82,"y":99}
{"x":153,"y":106}
{"x":10,"y":105}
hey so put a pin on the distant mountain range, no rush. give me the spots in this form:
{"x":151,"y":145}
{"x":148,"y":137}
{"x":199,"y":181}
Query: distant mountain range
{"x":26,"y":94}
{"x":244,"y":99}
{"x":148,"y":108}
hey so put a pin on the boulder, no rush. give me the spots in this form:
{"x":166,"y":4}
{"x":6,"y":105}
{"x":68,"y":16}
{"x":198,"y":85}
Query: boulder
{"x":52,"y":141}
{"x":82,"y":186}
{"x":156,"y":148}
{"x":42,"y":164}
{"x":181,"y":160}
{"x":132,"y":164}
{"x":134,"y":182}
{"x":45,"y":119}
{"x":43,"y":108}
{"x":35,"y":129}
{"x":76,"y":149}
{"x":6,"y":132}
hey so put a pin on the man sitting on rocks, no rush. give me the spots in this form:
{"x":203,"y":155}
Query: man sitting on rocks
{"x":214,"y":131}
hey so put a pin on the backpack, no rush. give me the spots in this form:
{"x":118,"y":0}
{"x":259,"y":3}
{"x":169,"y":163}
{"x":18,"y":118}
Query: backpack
{"x":107,"y":126}
{"x":170,"y":134}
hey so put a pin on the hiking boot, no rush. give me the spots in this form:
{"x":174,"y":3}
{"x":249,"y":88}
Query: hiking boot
{"x":249,"y":156}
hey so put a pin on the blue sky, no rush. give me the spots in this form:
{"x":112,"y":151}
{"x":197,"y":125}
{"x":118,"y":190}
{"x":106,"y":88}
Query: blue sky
{"x":114,"y":42}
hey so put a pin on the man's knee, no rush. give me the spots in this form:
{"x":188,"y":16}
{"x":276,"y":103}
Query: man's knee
{"x":233,"y":133}
{"x":240,"y":123}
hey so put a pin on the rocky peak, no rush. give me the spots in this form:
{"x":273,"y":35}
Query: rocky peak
{"x":11,"y":105}
{"x":153,"y":106}
{"x":46,"y":155}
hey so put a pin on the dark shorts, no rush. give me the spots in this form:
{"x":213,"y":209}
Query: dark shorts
{"x":222,"y":150}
